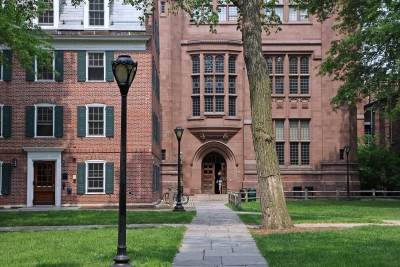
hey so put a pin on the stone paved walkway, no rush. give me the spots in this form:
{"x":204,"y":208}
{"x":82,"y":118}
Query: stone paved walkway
{"x":217,"y":237}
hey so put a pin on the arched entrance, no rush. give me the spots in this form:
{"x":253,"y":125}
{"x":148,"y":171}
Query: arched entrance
{"x":212,"y":164}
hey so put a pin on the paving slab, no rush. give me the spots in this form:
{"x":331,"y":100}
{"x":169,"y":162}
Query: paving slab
{"x":217,"y":237}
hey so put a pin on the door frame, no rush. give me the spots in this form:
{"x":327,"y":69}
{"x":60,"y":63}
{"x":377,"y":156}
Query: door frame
{"x":43,"y":154}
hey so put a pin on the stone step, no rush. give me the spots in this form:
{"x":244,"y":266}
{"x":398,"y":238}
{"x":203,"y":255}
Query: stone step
{"x":209,"y":197}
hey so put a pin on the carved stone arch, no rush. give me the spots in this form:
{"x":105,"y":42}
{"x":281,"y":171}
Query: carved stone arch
{"x":214,"y":146}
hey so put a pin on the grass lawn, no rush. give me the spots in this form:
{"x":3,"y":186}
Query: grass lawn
{"x":147,"y":247}
{"x":90,"y":217}
{"x":366,"y":246}
{"x":326,"y":211}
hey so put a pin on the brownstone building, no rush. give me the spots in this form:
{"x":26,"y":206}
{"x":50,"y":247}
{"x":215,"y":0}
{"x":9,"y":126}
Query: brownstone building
{"x":60,"y":134}
{"x":205,"y":90}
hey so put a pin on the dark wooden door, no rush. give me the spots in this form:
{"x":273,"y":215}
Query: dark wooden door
{"x":43,"y":184}
{"x":208,"y":179}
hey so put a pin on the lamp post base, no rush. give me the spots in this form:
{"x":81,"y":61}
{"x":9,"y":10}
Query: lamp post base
{"x":179,"y":208}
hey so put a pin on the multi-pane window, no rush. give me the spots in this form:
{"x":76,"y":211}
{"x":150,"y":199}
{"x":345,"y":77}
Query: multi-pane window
{"x":96,"y":66}
{"x":299,"y":136}
{"x":295,"y":75}
{"x":162,"y":7}
{"x":95,"y":177}
{"x":296,"y":15}
{"x":227,"y":13}
{"x":48,"y":17}
{"x":280,"y":138}
{"x":44,"y":73}
{"x":96,"y":12}
{"x":95,"y":120}
{"x":213,"y":84}
{"x":287,"y":12}
{"x":276,"y":74}
{"x":44,"y":120}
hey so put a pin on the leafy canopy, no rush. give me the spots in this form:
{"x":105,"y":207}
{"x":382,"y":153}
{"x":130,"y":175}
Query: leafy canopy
{"x":377,"y":164}
{"x":19,"y":34}
{"x":366,"y":56}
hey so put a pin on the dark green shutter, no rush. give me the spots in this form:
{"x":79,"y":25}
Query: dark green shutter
{"x":6,"y":179}
{"x":81,"y":66}
{"x":29,"y":76}
{"x":81,"y":178}
{"x":30,"y":121}
{"x":110,"y":178}
{"x":59,"y":65}
{"x":58,"y":122}
{"x":81,"y":121}
{"x":7,"y":70}
{"x":7,"y":121}
{"x":109,"y":72}
{"x":110,"y":121}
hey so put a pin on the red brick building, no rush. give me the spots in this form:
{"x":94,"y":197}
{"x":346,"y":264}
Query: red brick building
{"x":205,"y":90}
{"x":60,"y":134}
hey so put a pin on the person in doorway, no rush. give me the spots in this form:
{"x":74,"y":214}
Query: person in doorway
{"x":220,"y":182}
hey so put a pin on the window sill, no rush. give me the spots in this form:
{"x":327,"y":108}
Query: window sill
{"x":214,"y":115}
{"x":233,"y":118}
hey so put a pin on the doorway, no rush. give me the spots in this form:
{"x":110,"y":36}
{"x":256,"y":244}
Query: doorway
{"x":213,"y":163}
{"x":43,"y":183}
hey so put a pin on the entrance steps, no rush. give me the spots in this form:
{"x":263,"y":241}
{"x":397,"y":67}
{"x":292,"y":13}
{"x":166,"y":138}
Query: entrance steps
{"x":209,"y":197}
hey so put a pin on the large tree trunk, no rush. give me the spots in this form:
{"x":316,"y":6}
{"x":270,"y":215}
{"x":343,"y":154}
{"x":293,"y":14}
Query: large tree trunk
{"x":273,"y":204}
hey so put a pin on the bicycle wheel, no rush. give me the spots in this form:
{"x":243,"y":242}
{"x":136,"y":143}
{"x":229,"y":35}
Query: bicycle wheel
{"x":165,"y":197}
{"x":184,"y":198}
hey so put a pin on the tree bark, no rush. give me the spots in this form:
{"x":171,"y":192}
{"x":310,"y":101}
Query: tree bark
{"x":273,"y":205}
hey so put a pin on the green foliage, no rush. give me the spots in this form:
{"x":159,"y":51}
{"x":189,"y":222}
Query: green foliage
{"x":366,"y":57}
{"x":377,"y":164}
{"x":19,"y":34}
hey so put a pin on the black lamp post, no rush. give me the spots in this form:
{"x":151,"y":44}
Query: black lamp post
{"x":347,"y":150}
{"x":179,"y":132}
{"x":124,"y":69}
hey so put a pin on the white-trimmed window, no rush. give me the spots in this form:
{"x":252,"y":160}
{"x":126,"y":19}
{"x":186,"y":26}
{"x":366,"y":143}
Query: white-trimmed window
{"x":97,"y":14}
{"x":96,"y":120}
{"x":43,"y":73}
{"x":48,"y":17}
{"x":44,"y":120}
{"x":95,"y":66}
{"x":95,"y":175}
{"x":214,"y":85}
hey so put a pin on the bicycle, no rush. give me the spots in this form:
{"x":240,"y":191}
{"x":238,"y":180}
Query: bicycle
{"x":184,"y":197}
